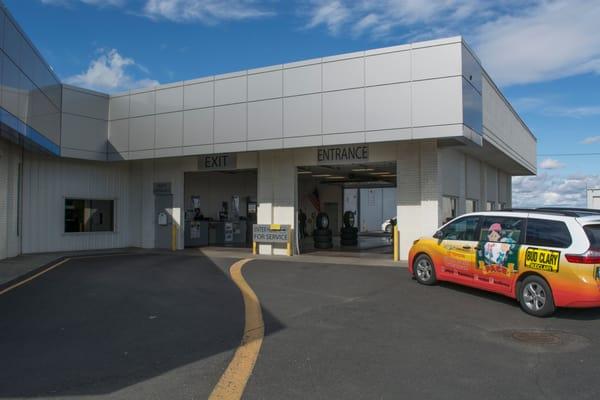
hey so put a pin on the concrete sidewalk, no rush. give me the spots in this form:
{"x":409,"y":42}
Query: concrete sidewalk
{"x":16,"y":268}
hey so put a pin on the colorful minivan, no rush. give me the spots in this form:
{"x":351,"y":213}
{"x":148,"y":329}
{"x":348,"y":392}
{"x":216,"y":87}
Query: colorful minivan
{"x":545,"y":258}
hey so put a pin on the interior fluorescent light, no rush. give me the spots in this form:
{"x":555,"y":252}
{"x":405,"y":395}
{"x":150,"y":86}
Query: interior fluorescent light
{"x":363,"y":169}
{"x":304,"y":172}
{"x":380,"y":173}
{"x":321,"y":175}
{"x":336,"y":177}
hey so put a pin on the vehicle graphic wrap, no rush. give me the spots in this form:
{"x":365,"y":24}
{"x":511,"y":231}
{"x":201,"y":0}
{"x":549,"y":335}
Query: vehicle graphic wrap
{"x":498,"y":250}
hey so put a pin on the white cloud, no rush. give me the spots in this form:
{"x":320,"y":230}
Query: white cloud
{"x":110,"y":71}
{"x":552,"y":39}
{"x":550,"y":163}
{"x":331,"y":13}
{"x":205,"y":11}
{"x":552,"y":190}
{"x":99,"y":3}
{"x":519,"y":41}
{"x":573,"y":112}
{"x":591,"y":140}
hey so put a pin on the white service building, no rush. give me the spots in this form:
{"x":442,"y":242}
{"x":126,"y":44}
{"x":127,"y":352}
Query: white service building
{"x":82,"y":170}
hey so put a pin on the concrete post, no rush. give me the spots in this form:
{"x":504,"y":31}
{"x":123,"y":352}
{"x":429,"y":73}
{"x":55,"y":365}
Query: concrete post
{"x":417,"y":192}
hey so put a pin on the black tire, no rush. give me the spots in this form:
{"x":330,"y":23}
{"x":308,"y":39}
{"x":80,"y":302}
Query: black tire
{"x":350,"y":236}
{"x":323,"y":245}
{"x":348,"y":219}
{"x":535,"y":296}
{"x":424,"y":270}
{"x":323,"y":240}
{"x":349,"y":231}
{"x":322,"y":233}
{"x":322,"y":221}
{"x":348,"y":242}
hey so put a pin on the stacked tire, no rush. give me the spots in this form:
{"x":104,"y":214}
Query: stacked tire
{"x":349,"y":233}
{"x":323,"y":236}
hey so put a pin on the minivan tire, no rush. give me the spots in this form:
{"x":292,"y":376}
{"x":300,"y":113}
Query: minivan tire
{"x":424,"y":270}
{"x":535,"y":296}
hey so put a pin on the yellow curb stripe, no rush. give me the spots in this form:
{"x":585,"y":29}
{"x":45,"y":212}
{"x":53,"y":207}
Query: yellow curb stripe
{"x":234,"y":379}
{"x":32,"y":277}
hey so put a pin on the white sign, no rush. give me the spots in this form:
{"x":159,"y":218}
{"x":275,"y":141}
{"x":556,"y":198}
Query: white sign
{"x":270,"y":233}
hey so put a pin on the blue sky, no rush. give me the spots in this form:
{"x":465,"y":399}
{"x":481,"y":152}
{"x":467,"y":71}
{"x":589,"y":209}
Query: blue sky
{"x":544,"y":55}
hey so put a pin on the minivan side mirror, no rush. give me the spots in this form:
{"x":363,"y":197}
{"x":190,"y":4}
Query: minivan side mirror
{"x":438,"y":235}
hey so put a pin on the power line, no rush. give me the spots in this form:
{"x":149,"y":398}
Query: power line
{"x":568,"y":154}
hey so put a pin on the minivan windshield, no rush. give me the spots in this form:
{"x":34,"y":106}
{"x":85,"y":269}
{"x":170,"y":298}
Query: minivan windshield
{"x":593,"y":234}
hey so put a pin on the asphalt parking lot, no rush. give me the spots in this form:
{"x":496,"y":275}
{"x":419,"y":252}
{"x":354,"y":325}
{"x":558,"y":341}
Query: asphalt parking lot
{"x":167,"y":326}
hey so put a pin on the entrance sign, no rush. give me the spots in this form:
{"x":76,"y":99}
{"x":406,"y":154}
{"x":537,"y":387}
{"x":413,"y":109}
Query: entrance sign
{"x":343,"y":154}
{"x":270,"y":233}
{"x":217,"y":162}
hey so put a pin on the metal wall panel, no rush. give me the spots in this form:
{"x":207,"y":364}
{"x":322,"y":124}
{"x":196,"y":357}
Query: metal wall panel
{"x":302,"y":80}
{"x":198,"y":95}
{"x":142,"y":133}
{"x":119,"y":107}
{"x":142,"y":104}
{"x":168,"y":100}
{"x":118,"y":136}
{"x":198,"y":127}
{"x":265,"y":119}
{"x":230,"y":123}
{"x":437,"y":102}
{"x":437,"y":61}
{"x":344,"y":74}
{"x":266,"y":85}
{"x":388,"y":106}
{"x":302,"y":115}
{"x":231,"y":90}
{"x":344,"y":111}
{"x":84,"y":133}
{"x":169,"y":130}
{"x":388,"y":68}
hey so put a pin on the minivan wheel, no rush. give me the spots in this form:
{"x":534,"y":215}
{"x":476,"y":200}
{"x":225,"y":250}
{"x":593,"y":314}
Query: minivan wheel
{"x":424,"y":270}
{"x":535,"y":297}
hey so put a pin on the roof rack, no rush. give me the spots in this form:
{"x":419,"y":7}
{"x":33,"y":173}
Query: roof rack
{"x":565,"y":211}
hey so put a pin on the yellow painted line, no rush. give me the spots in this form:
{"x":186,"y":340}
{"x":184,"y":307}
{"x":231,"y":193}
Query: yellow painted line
{"x":234,"y":379}
{"x":32,"y":277}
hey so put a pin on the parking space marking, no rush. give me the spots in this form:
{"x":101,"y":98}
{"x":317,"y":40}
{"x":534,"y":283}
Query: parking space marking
{"x":32,"y":277}
{"x":234,"y":379}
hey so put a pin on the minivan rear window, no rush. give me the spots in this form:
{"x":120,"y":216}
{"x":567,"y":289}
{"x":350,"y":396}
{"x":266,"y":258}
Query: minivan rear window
{"x":593,"y":234}
{"x":543,"y":232}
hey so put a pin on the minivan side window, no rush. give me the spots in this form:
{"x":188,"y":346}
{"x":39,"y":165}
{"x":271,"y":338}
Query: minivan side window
{"x":501,"y":229}
{"x":462,"y":229}
{"x":543,"y":232}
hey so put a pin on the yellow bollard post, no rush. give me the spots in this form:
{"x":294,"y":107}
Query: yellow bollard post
{"x":396,"y":244}
{"x":253,"y":247}
{"x":289,"y":244}
{"x":173,"y":237}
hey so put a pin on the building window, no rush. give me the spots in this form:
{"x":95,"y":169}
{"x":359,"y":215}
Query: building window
{"x":470,"y":206}
{"x":448,"y":208}
{"x":89,"y":215}
{"x":490,"y":206}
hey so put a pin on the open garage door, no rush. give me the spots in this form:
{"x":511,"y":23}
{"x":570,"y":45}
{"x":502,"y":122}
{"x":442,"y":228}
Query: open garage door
{"x":347,"y":210}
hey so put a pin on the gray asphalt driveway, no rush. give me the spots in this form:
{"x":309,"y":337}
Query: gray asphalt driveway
{"x":167,"y":325}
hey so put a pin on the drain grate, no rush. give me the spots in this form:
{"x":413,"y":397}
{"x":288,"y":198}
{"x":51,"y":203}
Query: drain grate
{"x":536,"y":337}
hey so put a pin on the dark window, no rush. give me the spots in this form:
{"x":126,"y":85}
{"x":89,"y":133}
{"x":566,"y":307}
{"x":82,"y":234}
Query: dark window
{"x":593,"y":234}
{"x":543,"y":232}
{"x":462,"y":229}
{"x":89,"y":215}
{"x":501,"y":229}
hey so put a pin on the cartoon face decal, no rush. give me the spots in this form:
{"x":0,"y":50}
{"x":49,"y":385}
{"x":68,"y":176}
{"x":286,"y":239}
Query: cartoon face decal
{"x":498,"y":251}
